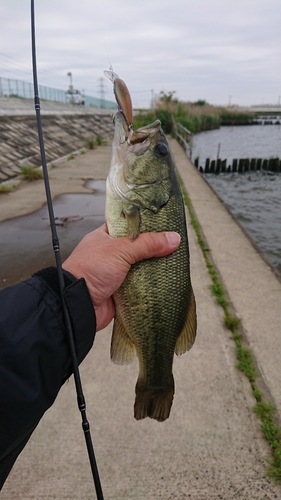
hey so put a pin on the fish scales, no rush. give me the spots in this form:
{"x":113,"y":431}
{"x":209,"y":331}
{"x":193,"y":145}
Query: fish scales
{"x":155,"y":306}
{"x":147,"y":293}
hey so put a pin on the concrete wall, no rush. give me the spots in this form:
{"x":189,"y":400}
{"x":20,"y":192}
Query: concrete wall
{"x":63,"y":133}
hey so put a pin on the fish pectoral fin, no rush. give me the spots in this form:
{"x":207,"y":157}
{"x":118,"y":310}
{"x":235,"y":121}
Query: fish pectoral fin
{"x":132,"y":214}
{"x":122,"y":350}
{"x":187,"y":336}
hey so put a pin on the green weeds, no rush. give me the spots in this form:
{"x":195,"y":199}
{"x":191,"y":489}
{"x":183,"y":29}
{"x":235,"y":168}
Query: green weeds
{"x":245,"y":360}
{"x":195,"y":116}
{"x":99,"y":140}
{"x":5,"y":189}
{"x":92,"y":143}
{"x":30,"y":173}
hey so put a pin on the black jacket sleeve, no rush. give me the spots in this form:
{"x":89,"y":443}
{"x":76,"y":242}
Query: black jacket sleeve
{"x":34,"y":353}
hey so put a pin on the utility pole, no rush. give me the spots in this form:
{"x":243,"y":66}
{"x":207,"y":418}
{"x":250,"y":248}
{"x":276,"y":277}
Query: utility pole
{"x":152,"y":98}
{"x":70,"y":86}
{"x":101,"y":89}
{"x":229,"y":102}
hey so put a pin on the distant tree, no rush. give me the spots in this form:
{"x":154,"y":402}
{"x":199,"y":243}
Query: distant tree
{"x":200,"y":102}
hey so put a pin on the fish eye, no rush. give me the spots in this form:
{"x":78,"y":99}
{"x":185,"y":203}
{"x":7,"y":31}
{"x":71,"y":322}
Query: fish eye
{"x":161,"y":149}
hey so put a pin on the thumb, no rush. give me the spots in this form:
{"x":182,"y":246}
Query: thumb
{"x":148,"y":245}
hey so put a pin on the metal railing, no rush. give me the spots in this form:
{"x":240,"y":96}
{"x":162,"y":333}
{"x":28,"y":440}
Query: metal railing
{"x":19,"y":88}
{"x":185,"y":137}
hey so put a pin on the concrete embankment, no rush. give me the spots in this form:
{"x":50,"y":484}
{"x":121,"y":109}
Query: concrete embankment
{"x":211,"y":447}
{"x":66,"y":128}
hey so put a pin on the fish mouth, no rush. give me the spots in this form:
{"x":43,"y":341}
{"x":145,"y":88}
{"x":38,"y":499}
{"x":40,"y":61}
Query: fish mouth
{"x":143,"y":133}
{"x":125,"y":133}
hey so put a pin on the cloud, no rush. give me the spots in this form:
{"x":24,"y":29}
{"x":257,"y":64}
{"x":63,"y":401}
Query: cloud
{"x":208,"y":48}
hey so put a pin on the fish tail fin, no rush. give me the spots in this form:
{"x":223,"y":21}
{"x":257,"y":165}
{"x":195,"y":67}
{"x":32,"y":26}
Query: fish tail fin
{"x":154,"y":402}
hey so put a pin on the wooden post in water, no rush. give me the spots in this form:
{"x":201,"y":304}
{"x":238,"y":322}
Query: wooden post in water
{"x":271,"y":165}
{"x":213,"y":164}
{"x":276,"y":164}
{"x":265,"y":165}
{"x":219,"y":148}
{"x":223,"y":166}
{"x":240,"y":166}
{"x":253,"y":164}
{"x":218,"y":166}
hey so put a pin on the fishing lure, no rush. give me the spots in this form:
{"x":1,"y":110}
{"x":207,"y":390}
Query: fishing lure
{"x":122,"y":96}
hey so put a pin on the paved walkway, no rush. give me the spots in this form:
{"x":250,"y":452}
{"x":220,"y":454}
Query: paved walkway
{"x":211,"y":447}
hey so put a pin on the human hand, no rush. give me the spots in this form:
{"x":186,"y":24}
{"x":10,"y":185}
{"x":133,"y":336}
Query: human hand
{"x":104,"y":262}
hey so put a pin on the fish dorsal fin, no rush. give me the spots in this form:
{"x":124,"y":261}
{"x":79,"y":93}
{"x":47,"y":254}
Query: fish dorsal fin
{"x":122,"y":350}
{"x":187,"y":336}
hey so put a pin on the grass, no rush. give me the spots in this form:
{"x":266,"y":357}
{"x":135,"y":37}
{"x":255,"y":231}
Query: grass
{"x":100,"y":141}
{"x":91,"y":143}
{"x":245,"y":359}
{"x":195,"y":116}
{"x":70,"y":157}
{"x":30,"y":173}
{"x":5,"y":189}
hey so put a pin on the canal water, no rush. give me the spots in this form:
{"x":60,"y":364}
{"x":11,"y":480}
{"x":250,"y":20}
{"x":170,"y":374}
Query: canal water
{"x":254,"y":198}
{"x":252,"y":141}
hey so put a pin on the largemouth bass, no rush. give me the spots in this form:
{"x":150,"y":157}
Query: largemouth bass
{"x":155,"y":306}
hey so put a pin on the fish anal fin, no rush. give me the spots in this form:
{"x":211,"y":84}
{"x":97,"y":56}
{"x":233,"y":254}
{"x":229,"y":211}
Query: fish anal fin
{"x":187,"y":336}
{"x":122,"y":350}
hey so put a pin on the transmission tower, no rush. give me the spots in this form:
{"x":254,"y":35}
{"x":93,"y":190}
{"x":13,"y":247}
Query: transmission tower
{"x":102,"y":92}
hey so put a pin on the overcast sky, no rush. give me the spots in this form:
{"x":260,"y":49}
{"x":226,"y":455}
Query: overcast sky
{"x":219,"y":50}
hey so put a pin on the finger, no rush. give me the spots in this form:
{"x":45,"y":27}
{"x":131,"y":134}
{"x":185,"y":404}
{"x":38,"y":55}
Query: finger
{"x":149,"y":245}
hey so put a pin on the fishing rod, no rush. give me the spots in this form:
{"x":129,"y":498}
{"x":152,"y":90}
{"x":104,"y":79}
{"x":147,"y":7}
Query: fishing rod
{"x":56,"y":247}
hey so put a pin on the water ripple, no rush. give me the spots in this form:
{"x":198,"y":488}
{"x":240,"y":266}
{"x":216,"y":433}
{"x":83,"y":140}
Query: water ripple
{"x":253,"y":198}
{"x":256,"y":203}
